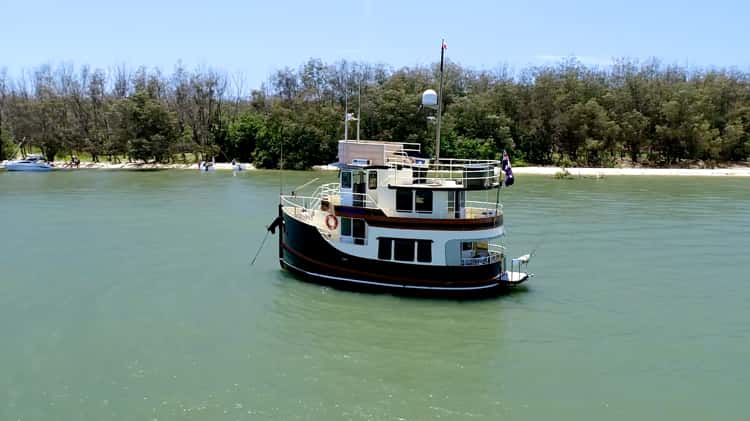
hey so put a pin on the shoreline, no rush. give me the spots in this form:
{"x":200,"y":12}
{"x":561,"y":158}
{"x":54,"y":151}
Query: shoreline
{"x":732,"y":171}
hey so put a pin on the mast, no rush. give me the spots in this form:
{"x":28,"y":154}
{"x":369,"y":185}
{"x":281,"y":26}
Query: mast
{"x":443,"y":46}
{"x":359,"y":106}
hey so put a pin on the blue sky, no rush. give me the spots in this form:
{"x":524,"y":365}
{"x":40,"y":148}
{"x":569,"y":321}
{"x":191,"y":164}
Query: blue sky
{"x":254,"y":38}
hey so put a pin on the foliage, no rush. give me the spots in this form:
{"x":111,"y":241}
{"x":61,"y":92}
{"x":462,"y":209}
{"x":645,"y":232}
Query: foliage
{"x":7,"y":148}
{"x":566,"y":114}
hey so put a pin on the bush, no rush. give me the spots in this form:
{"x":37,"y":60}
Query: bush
{"x":7,"y":147}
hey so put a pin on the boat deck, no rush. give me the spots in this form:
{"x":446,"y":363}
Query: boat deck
{"x":515,"y":277}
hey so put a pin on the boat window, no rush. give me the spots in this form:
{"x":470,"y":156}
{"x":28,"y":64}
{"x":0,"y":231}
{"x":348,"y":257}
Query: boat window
{"x":358,"y":231}
{"x":424,"y":251}
{"x":346,"y":227}
{"x":372,"y":180}
{"x":346,"y":179}
{"x":467,"y":245}
{"x":384,"y":248}
{"x":403,"y":250}
{"x":423,"y":201}
{"x":404,"y":200}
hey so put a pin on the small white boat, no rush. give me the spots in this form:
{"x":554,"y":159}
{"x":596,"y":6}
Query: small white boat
{"x":205,"y":166}
{"x":30,"y":163}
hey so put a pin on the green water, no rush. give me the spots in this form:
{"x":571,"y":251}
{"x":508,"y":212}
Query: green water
{"x":129,"y":296}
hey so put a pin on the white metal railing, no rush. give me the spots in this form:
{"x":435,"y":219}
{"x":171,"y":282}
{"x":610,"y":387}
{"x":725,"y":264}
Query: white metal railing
{"x":475,"y":209}
{"x":490,"y":258}
{"x":301,"y":206}
{"x":471,"y":173}
{"x":331,"y":193}
{"x":494,"y":254}
{"x":390,"y":149}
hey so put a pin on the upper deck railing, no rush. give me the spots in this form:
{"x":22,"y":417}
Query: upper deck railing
{"x":328,"y":195}
{"x":460,"y":173}
{"x":466,"y":173}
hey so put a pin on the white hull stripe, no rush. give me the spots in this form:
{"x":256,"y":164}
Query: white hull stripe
{"x":358,"y":281}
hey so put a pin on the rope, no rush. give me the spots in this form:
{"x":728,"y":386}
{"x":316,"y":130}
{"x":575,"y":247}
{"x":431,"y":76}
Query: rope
{"x":262,"y":243}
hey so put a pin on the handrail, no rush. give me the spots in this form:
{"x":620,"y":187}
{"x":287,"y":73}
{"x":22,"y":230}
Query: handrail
{"x":491,"y":257}
{"x":330,"y":192}
{"x":495,"y":253}
{"x":473,"y":209}
{"x":466,"y":172}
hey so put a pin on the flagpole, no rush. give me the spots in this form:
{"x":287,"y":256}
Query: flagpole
{"x":359,"y":106}
{"x":440,"y":101}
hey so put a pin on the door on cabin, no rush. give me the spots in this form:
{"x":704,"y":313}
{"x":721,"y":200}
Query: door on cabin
{"x":456,"y":203}
{"x":372,"y":184}
{"x":359,"y":189}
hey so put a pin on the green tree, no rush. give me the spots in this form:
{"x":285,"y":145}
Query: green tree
{"x":150,"y":127}
{"x":242,"y":136}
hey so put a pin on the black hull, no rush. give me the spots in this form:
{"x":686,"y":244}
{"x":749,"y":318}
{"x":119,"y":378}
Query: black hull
{"x":304,"y":251}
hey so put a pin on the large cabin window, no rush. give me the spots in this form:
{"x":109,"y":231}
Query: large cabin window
{"x":346,"y":179}
{"x":403,"y":250}
{"x":423,"y":201}
{"x":372,"y":180}
{"x":424,"y":251}
{"x":385,"y":245}
{"x":404,"y":200}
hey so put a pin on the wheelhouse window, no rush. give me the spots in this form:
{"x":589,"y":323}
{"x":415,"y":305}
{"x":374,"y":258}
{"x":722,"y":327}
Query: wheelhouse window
{"x":372,"y":180}
{"x":346,"y":179}
{"x":403,"y":250}
{"x":404,"y":200}
{"x":424,"y":251}
{"x":385,"y":246}
{"x":423,"y":201}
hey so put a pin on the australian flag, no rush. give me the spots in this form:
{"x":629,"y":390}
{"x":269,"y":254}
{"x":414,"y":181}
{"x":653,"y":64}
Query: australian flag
{"x":509,"y":180}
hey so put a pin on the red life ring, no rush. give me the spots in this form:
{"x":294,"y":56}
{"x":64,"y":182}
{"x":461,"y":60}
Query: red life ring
{"x":332,"y":222}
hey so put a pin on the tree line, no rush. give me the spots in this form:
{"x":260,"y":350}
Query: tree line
{"x":565,"y":114}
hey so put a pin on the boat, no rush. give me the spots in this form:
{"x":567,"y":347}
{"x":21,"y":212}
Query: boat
{"x":206,"y":166}
{"x":32,"y":162}
{"x":401,"y":222}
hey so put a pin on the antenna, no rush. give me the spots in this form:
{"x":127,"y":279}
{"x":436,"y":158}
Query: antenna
{"x":443,"y":47}
{"x":346,"y":114}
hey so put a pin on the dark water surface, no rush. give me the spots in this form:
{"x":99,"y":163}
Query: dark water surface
{"x":129,"y":296}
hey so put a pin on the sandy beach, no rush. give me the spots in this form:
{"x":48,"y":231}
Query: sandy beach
{"x":731,"y":171}
{"x":63,"y":165}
